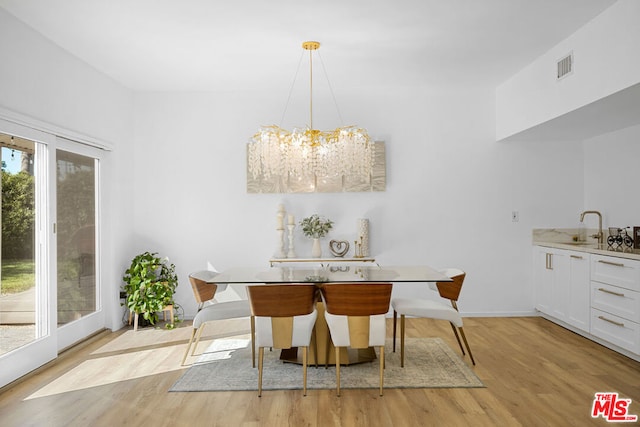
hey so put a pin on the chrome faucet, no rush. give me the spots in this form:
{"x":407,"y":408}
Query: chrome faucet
{"x":599,"y":235}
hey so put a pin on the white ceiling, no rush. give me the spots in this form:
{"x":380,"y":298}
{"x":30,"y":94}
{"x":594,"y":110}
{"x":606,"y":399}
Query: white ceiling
{"x":193,"y":45}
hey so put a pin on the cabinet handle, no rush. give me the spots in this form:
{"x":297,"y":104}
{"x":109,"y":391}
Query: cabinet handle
{"x":616,"y":264}
{"x":576,"y":257}
{"x":549,"y":265}
{"x":618,"y":294}
{"x":611,"y":321}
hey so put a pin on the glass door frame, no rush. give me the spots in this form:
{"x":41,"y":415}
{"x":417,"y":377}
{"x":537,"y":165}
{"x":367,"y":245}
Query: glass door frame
{"x":43,"y":348}
{"x":74,"y":331}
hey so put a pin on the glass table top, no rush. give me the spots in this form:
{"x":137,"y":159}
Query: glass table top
{"x":330,"y":274}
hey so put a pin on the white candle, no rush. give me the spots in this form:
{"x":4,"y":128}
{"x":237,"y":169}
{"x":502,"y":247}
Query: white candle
{"x":280,"y":221}
{"x":292,"y":220}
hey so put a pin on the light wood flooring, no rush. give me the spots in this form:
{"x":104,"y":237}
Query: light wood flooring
{"x":536,"y":374}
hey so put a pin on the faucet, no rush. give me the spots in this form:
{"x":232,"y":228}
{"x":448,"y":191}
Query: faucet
{"x":599,"y":235}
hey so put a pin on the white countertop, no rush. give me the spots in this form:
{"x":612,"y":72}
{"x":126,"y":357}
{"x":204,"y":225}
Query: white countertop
{"x":563,"y":239}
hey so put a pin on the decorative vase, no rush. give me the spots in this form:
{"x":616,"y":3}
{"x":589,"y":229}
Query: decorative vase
{"x":363,"y":234}
{"x":316,"y":249}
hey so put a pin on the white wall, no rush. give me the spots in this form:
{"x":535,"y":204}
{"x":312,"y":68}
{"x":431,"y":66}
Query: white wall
{"x":40,"y":81}
{"x":611,"y":166}
{"x":450,"y":192}
{"x":606,"y":60}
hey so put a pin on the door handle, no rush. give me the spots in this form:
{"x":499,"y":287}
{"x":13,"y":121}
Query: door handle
{"x":611,"y":321}
{"x":618,"y":294}
{"x":615,"y":264}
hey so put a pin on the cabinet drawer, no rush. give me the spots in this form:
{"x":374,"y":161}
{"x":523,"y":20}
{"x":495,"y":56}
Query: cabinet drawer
{"x":616,"y":271}
{"x":616,"y":330}
{"x":615,"y":300}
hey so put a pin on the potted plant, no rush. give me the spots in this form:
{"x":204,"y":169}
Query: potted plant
{"x":316,"y":227}
{"x":150,"y":283}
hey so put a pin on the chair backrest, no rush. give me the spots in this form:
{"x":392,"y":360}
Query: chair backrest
{"x":284,"y":314}
{"x":282,"y":300}
{"x":202,"y":291}
{"x":357,"y":299}
{"x":355,"y":313}
{"x":451,"y":290}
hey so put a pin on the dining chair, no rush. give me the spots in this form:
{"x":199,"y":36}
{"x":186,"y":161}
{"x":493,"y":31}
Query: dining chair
{"x":355,"y":314}
{"x":284,"y":318}
{"x":204,"y":291}
{"x":433,"y":310}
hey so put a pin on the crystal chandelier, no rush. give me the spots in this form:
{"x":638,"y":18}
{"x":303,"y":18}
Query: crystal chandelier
{"x":345,"y":151}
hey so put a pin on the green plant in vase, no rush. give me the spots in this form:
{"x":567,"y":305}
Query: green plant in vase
{"x":150,"y":283}
{"x":316,"y":227}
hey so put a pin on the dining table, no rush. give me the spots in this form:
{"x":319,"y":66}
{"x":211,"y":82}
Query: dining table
{"x":323,"y":274}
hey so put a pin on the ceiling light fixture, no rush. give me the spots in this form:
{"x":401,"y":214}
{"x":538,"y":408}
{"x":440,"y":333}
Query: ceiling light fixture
{"x":345,"y":151}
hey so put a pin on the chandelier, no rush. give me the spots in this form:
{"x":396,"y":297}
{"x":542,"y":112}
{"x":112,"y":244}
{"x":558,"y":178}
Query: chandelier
{"x":344,"y":151}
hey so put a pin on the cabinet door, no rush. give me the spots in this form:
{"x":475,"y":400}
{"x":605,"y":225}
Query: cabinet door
{"x":579,"y":313}
{"x":560,"y":285}
{"x":542,"y":278}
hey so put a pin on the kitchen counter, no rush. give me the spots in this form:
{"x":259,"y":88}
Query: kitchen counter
{"x":563,"y":239}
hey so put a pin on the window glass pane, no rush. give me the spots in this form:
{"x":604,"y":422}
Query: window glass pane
{"x":17,"y":260}
{"x":76,"y":235}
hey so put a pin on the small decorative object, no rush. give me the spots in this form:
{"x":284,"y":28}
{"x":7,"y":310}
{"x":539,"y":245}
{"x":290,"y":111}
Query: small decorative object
{"x":357,"y":248}
{"x":150,"y":283}
{"x":291,"y":225}
{"x":280,"y":253}
{"x":618,"y":237}
{"x":636,"y":237}
{"x":363,"y":232}
{"x":316,"y":227}
{"x":339,"y":248}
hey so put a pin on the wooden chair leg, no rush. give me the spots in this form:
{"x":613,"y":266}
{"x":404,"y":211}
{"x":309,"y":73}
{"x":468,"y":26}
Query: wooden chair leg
{"x":200,"y":329}
{"x":193,"y":334}
{"x":402,"y":325}
{"x":304,"y":370}
{"x":455,"y":332}
{"x":326,"y":354}
{"x":338,"y":370}
{"x":260,"y":358}
{"x":395,"y":319}
{"x":253,"y":341}
{"x":381,"y":368}
{"x":464,"y":338}
{"x":314,"y":338}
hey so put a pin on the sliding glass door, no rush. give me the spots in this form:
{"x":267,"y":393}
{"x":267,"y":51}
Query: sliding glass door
{"x":79,"y":308}
{"x":27,"y":319}
{"x":50,"y":294}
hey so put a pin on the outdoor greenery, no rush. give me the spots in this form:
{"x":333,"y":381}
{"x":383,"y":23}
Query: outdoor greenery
{"x":150,"y":283}
{"x":18,"y":215}
{"x":17,"y":276}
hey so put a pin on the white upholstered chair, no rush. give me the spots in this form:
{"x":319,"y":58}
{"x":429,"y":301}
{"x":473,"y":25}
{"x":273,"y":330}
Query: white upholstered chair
{"x":355,"y":315}
{"x":433,"y":309}
{"x":204,"y":291}
{"x":284,"y":318}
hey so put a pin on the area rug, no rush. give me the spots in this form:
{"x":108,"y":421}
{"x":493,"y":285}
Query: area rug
{"x":226,"y":366}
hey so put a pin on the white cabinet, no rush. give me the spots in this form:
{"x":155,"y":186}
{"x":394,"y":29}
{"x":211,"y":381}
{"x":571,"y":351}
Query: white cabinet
{"x":561,"y":280}
{"x":615,"y":301}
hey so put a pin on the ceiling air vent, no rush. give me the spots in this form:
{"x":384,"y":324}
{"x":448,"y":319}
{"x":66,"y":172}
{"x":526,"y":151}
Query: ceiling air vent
{"x":565,"y":66}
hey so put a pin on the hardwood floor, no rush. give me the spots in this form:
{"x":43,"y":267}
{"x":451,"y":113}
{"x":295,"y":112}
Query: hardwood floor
{"x":536,"y":374}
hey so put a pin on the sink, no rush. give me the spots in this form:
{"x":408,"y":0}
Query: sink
{"x":580,"y":243}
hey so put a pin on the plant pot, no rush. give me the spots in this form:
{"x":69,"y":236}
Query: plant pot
{"x":316,"y":249}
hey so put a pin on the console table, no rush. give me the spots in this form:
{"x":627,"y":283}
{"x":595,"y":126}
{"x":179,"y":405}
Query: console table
{"x":321,"y":261}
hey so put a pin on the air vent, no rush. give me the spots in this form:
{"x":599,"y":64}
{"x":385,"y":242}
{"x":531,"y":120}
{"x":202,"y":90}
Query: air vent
{"x":565,"y":66}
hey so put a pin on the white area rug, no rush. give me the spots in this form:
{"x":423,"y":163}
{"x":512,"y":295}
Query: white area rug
{"x":226,"y":366}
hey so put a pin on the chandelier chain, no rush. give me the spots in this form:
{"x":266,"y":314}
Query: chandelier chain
{"x":333,"y":96}
{"x":295,"y":77}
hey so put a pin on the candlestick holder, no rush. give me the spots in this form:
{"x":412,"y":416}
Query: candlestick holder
{"x":280,"y":253}
{"x":292,"y":252}
{"x":357,"y":249}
